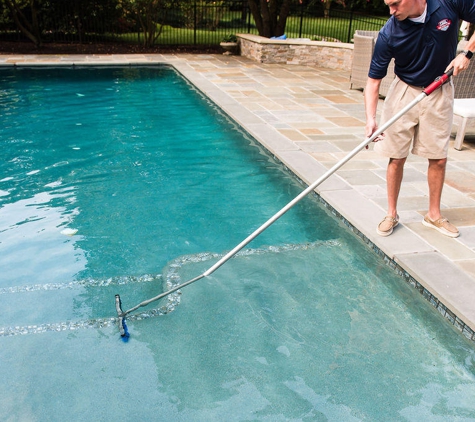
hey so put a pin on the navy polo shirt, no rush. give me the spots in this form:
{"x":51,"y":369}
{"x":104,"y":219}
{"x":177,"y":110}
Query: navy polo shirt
{"x":421,"y":51}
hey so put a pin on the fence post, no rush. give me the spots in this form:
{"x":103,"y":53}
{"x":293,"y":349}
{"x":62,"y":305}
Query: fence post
{"x":349,"y":26}
{"x":194,"y":23}
{"x":249,"y":14}
{"x":301,"y":19}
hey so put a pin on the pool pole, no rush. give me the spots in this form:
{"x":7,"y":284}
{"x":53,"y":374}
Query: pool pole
{"x":427,"y":91}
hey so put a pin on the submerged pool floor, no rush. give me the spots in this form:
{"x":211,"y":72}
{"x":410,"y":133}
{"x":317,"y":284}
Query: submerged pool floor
{"x":307,"y":324}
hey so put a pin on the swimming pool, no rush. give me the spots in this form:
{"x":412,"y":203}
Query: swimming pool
{"x":307,"y":324}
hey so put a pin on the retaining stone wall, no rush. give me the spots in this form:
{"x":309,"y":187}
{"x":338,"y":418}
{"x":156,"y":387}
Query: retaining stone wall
{"x":332,"y":55}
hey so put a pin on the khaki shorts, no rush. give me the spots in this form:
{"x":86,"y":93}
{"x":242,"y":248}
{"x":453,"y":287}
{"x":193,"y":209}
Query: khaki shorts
{"x":426,"y":126}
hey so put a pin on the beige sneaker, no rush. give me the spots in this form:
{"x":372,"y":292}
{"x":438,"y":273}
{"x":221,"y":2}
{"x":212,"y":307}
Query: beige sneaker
{"x":385,"y":228}
{"x":442,"y":225}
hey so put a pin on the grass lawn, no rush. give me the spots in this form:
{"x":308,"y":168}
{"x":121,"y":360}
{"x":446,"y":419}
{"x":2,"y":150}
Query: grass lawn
{"x":332,"y":28}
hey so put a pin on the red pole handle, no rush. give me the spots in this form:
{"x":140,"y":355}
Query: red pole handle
{"x":438,"y":82}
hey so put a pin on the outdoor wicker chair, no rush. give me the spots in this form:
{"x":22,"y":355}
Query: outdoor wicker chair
{"x":362,"y":53}
{"x":364,"y":42}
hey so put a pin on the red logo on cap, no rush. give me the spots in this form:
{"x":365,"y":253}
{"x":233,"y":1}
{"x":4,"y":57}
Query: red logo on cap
{"x":444,"y":24}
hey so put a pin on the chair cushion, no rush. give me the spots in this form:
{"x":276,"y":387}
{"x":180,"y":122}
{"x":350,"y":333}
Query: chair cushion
{"x":464,"y":107}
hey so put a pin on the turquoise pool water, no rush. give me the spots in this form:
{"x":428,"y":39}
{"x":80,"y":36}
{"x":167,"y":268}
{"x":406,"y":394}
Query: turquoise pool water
{"x":119,"y":180}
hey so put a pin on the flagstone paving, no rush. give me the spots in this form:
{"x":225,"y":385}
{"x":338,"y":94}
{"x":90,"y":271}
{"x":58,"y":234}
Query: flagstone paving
{"x":310,"y":119}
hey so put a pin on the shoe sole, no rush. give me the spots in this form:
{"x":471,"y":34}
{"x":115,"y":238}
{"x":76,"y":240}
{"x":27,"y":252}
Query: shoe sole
{"x":440,"y":229}
{"x":384,"y":234}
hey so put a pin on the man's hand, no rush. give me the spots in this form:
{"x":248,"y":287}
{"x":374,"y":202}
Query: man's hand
{"x":371,"y":96}
{"x":370,"y":128}
{"x":460,"y":63}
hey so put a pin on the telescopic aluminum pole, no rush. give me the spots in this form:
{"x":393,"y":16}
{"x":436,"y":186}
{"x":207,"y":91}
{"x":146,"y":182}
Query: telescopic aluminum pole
{"x":427,"y":91}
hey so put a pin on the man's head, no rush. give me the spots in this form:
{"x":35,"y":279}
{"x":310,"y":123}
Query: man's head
{"x":403,"y":9}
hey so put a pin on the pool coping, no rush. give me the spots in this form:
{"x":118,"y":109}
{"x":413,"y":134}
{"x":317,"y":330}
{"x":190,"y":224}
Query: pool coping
{"x":445,"y":285}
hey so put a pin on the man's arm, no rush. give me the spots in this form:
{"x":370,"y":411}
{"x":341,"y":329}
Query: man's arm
{"x":460,"y":63}
{"x":371,"y":98}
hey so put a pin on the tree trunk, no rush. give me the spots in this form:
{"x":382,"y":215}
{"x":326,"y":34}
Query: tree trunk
{"x":326,"y":11}
{"x":266,"y":18}
{"x":147,"y":14}
{"x":282,"y":21}
{"x":30,"y":29}
{"x":254,"y":8}
{"x":270,"y":20}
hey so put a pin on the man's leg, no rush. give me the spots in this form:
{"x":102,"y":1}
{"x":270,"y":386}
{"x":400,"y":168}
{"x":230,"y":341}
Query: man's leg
{"x":394,"y":175}
{"x":434,"y":219}
{"x":435,"y":178}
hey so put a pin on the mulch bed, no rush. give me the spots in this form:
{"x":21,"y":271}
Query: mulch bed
{"x":8,"y":47}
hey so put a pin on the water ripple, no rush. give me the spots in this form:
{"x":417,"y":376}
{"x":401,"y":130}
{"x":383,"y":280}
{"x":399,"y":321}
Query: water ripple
{"x":172,"y":279}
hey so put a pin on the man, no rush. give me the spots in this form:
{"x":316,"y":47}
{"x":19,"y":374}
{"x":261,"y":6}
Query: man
{"x":421,"y":36}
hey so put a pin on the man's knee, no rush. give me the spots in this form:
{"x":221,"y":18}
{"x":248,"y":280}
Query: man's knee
{"x":439,"y":162}
{"x":397,"y":162}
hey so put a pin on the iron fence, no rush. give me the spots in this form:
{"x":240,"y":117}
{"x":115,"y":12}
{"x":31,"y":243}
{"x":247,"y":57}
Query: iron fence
{"x":178,"y":22}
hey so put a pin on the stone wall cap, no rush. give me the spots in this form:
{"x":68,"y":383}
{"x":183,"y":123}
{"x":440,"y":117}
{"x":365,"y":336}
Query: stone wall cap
{"x":294,"y":41}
